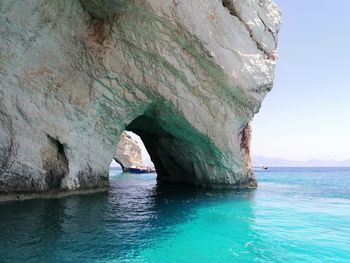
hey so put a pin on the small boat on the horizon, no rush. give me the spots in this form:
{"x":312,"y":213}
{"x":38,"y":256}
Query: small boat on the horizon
{"x":264,"y":167}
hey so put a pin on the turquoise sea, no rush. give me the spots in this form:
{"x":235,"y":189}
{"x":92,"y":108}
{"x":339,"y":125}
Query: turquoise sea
{"x":295,"y":215}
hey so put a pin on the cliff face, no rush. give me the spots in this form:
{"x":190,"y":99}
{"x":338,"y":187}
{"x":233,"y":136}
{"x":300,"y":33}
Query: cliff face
{"x":128,"y":153}
{"x":186,"y":76}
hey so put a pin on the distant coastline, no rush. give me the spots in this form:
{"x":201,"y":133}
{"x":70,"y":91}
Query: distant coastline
{"x":259,"y":160}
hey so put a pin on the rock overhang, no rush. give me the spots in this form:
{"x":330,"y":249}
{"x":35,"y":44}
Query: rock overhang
{"x":198,"y":69}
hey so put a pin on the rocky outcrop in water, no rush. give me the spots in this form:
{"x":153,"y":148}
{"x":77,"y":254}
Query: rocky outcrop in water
{"x":128,"y":153}
{"x":186,"y":76}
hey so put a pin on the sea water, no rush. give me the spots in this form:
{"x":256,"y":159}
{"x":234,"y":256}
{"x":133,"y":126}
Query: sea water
{"x":295,"y":215}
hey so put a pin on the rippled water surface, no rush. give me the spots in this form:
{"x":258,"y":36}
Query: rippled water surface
{"x":296,"y":215}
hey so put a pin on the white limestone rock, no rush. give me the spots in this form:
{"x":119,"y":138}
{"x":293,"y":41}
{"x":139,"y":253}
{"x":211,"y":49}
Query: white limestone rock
{"x":128,"y":152}
{"x":187,"y":76}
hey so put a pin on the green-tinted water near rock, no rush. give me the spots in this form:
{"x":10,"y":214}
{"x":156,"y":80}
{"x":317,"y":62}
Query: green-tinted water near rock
{"x":295,"y":215}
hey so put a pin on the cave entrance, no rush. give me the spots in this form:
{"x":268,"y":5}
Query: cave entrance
{"x":149,"y":132}
{"x":168,"y":143}
{"x":178,"y":151}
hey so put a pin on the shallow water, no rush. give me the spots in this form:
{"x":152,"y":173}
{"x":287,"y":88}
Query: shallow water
{"x":295,"y":215}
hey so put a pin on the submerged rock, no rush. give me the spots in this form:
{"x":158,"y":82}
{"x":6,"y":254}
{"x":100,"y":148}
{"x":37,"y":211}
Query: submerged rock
{"x":128,"y":152}
{"x":186,"y":76}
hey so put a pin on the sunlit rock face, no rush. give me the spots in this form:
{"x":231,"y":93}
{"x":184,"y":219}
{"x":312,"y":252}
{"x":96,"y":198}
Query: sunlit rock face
{"x":187,"y":76}
{"x":128,"y":152}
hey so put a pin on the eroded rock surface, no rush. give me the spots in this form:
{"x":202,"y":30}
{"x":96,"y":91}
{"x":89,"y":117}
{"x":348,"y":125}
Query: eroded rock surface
{"x":187,"y":76}
{"x":128,"y":152}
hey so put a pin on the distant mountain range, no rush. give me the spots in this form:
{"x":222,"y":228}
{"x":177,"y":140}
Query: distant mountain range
{"x":259,"y":160}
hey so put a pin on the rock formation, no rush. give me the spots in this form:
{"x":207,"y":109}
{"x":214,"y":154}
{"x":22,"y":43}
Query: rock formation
{"x":186,"y":76}
{"x":128,"y":152}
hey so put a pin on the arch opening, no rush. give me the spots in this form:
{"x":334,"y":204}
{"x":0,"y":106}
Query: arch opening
{"x":182,"y":153}
{"x":167,"y":151}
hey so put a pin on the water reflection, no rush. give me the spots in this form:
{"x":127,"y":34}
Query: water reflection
{"x":141,"y":221}
{"x":114,"y":225}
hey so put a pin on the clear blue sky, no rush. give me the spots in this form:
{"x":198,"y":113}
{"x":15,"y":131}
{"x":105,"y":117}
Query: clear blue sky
{"x":307,"y":114}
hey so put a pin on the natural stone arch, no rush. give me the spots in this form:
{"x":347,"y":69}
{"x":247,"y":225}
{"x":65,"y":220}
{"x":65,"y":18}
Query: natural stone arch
{"x":181,"y":153}
{"x":187,"y":82}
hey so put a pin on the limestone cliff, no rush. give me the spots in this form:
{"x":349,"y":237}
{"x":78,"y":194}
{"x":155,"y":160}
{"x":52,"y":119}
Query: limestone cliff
{"x":186,"y":76}
{"x":128,"y":152}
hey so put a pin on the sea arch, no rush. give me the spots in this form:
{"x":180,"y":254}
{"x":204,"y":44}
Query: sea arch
{"x":187,"y":83}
